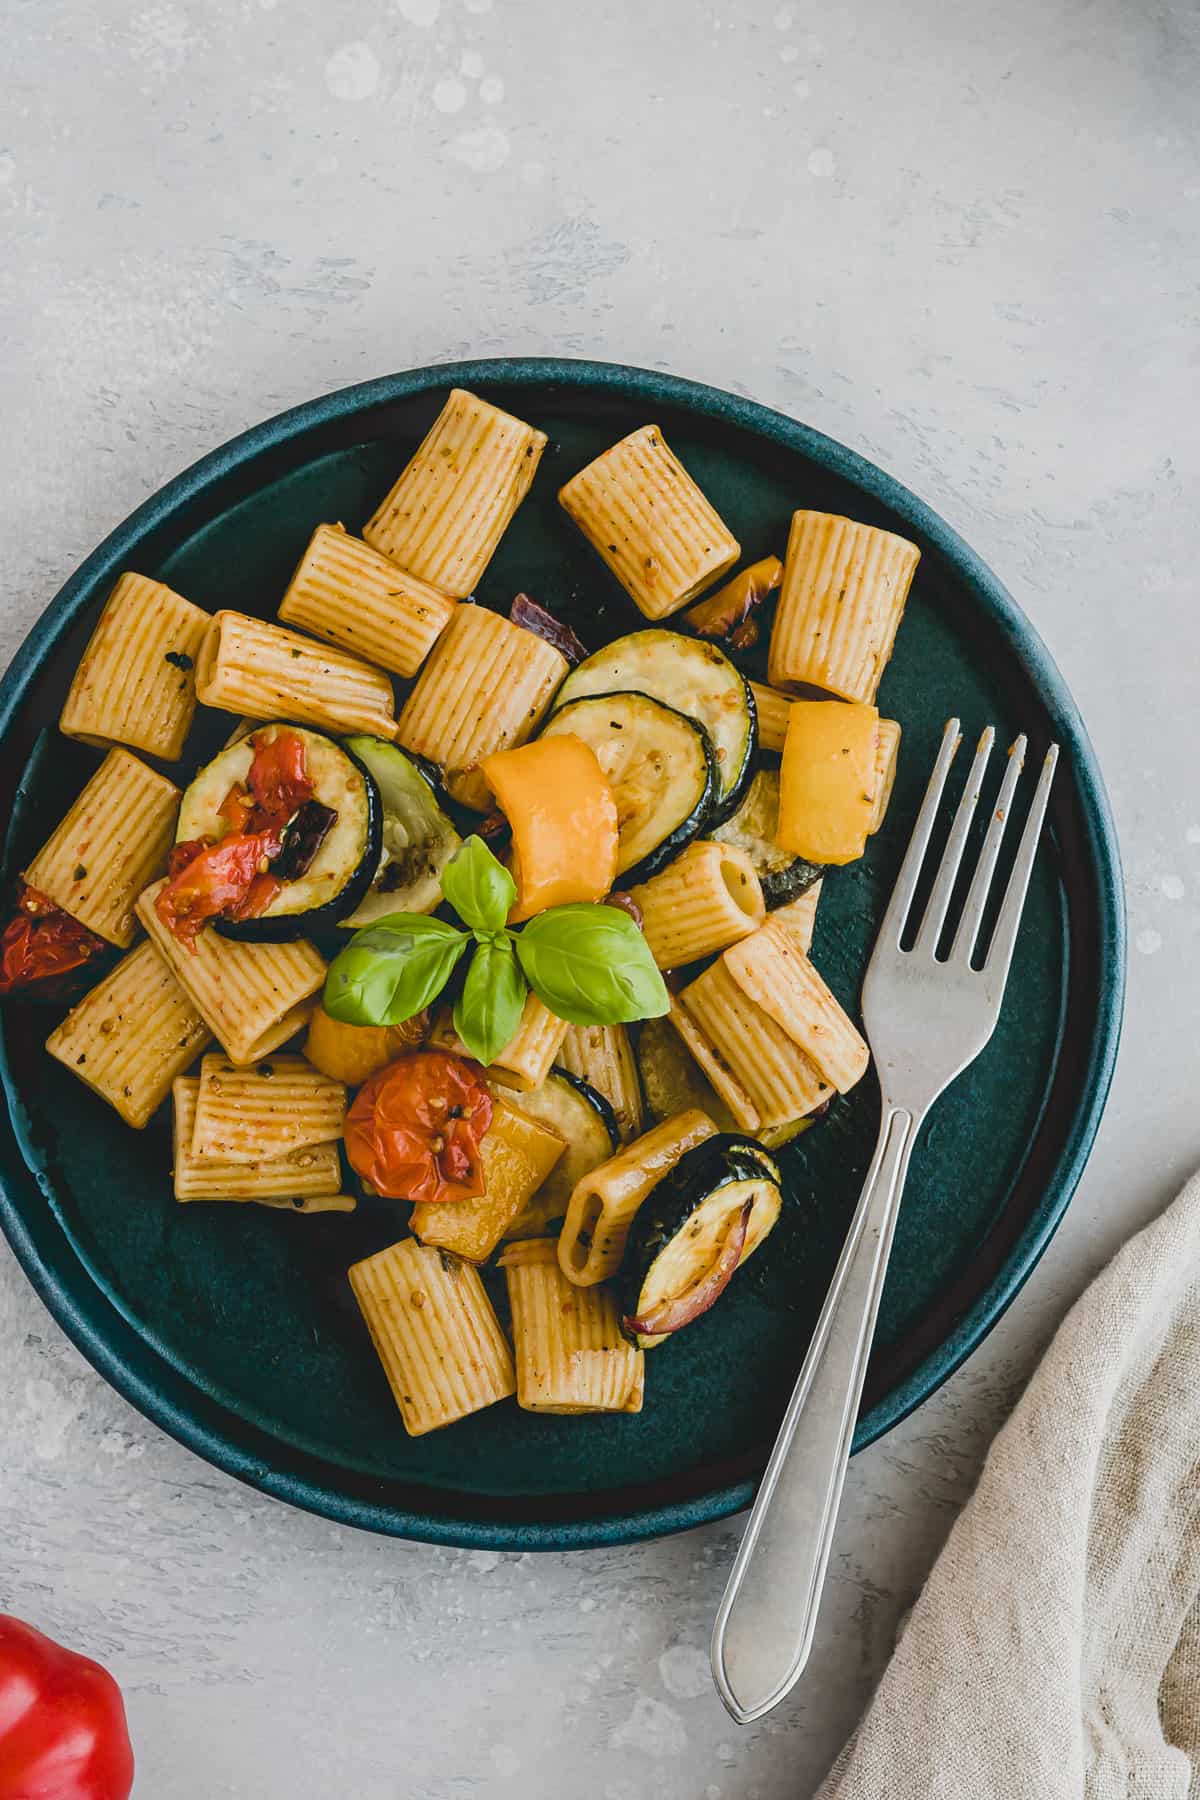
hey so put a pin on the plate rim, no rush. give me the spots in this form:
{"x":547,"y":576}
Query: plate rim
{"x":630,"y":1525}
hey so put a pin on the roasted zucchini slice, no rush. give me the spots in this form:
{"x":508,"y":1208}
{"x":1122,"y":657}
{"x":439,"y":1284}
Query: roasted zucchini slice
{"x":692,"y":1232}
{"x":330,"y":848}
{"x":661,"y":767}
{"x":693,"y":676}
{"x":418,"y":838}
{"x":586,"y":1120}
{"x":782,"y":875}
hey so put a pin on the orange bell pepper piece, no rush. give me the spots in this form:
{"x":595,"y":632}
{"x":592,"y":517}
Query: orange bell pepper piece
{"x":563,"y":815}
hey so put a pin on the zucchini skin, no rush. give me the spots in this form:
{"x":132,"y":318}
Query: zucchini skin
{"x":688,"y":828}
{"x":598,"y":1102}
{"x":671,"y":1202}
{"x":287,"y":927}
{"x":668,"y":641}
{"x":725,"y":809}
{"x":668,"y":848}
{"x":752,"y":834}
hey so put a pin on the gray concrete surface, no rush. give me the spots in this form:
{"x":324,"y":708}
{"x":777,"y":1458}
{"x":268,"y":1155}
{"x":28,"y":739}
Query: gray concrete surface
{"x":962,"y":238}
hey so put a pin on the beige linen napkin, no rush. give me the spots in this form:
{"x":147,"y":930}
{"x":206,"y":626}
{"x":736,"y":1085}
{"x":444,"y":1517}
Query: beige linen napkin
{"x":1055,"y":1649}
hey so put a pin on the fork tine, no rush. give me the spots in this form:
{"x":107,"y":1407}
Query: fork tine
{"x":918,"y":843}
{"x":981,"y":881}
{"x":1004,"y":937}
{"x":943,"y":886}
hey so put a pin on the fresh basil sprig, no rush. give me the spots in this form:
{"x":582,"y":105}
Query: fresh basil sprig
{"x":588,"y":963}
{"x":493,"y":998}
{"x":478,"y":887}
{"x":591,"y":966}
{"x":390,"y":970}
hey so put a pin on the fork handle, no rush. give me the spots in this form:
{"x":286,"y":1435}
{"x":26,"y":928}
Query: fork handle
{"x":764,"y":1629}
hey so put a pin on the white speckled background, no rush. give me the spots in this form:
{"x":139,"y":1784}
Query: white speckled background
{"x":964,"y":239}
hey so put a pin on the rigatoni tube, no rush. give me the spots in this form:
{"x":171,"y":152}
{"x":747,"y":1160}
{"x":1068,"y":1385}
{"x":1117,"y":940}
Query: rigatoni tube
{"x":247,"y":666}
{"x":887,"y":756}
{"x":842,"y":599}
{"x":602,"y":1056}
{"x":112,"y":843}
{"x":641,"y":510}
{"x":310,"y":1172}
{"x":435,"y":1333}
{"x":253,"y":997}
{"x":774,"y":973}
{"x":570,"y":1352}
{"x":601,"y":1210}
{"x":485,"y":687}
{"x":446,"y":514}
{"x":279,"y":1105}
{"x":131,"y":1036}
{"x":709,"y":897}
{"x":135,"y":683}
{"x":345,"y":592}
{"x":759,"y":1070}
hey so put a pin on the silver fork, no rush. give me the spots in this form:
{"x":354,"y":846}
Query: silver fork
{"x":925,"y":1020}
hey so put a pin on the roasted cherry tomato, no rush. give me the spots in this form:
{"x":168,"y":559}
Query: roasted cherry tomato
{"x":231,"y":878}
{"x":278,"y":777}
{"x":212,"y":881}
{"x":415,"y":1129}
{"x":43,"y":942}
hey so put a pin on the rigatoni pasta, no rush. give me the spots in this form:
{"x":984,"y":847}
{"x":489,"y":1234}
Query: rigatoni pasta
{"x":709,"y":897}
{"x":773,"y":972}
{"x":529,"y":1054}
{"x":350,"y":595}
{"x":641,"y":510}
{"x":800,"y":916}
{"x":283,"y":1104}
{"x":435,"y":1333}
{"x":842,"y":599}
{"x":602,"y":1207}
{"x":112,"y":843}
{"x":887,"y":755}
{"x":571,"y":1355}
{"x":135,"y":683}
{"x":602,"y":1056}
{"x":762,"y":1075}
{"x":246,"y":666}
{"x":253,"y":997}
{"x":306,"y":1174}
{"x":131,"y":1035}
{"x":772,"y":709}
{"x":486,"y":687}
{"x":446,"y":514}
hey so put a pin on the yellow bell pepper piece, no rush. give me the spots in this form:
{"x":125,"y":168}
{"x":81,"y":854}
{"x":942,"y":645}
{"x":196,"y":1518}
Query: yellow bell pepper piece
{"x":563,"y":815}
{"x":828,"y":780}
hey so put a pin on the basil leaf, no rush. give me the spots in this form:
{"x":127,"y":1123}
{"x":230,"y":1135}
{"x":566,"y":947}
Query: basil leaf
{"x":391,"y":969}
{"x":478,"y":887}
{"x":592,"y":966}
{"x":493,"y":998}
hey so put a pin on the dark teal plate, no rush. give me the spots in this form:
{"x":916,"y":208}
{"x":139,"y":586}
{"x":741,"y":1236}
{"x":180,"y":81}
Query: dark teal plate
{"x":233,"y":1329}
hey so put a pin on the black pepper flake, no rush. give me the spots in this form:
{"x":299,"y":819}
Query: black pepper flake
{"x":298,"y":1203}
{"x":296,"y":654}
{"x":81,"y":1058}
{"x":179,"y":659}
{"x":80,"y":873}
{"x":267,"y":1069}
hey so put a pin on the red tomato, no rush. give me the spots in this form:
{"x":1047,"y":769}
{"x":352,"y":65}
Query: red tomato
{"x":62,"y":1722}
{"x":414,"y":1129}
{"x":229,"y":879}
{"x":214,"y":882}
{"x":278,"y":777}
{"x":42,"y":942}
